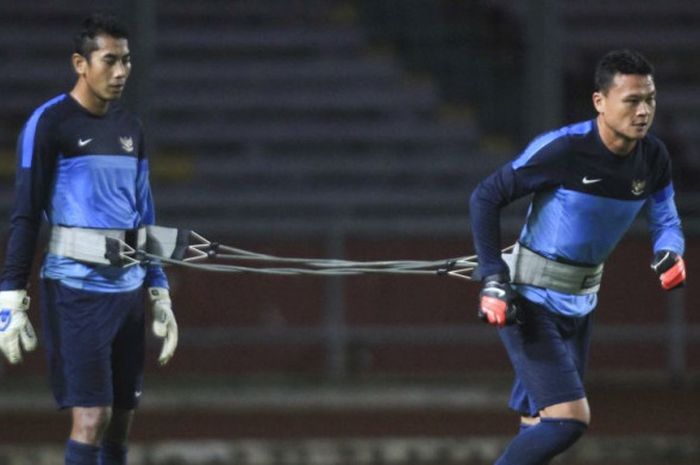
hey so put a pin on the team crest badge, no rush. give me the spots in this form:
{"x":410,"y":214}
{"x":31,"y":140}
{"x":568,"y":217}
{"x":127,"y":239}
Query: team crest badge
{"x":638,"y":186}
{"x":127,"y":143}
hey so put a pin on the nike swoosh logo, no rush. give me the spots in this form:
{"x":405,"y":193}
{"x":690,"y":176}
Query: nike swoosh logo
{"x":585,"y":180}
{"x":83,"y":143}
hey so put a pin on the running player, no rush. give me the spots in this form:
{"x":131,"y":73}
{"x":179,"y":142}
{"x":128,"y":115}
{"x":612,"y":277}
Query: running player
{"x":589,"y":180}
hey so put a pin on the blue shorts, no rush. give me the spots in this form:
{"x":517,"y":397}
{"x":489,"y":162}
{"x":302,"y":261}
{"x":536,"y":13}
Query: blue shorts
{"x":549,"y":354}
{"x":95,"y":345}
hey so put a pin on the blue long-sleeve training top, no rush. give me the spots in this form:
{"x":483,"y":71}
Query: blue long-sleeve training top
{"x":585,"y":199}
{"x":78,"y":169}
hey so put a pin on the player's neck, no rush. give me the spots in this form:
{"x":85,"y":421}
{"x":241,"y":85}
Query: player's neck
{"x":614,"y":141}
{"x":87,"y":99}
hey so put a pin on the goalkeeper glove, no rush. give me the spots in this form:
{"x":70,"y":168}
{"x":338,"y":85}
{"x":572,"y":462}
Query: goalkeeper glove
{"x":15,"y":327}
{"x":497,"y":304}
{"x":164,"y":324}
{"x":670,"y":267}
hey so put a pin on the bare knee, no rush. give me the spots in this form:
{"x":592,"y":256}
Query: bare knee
{"x":529,"y":421}
{"x":89,"y":424}
{"x":575,"y":410}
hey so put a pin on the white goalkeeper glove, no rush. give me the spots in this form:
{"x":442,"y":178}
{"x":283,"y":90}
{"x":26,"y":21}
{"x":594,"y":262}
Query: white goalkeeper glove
{"x":15,"y":327}
{"x":164,"y":324}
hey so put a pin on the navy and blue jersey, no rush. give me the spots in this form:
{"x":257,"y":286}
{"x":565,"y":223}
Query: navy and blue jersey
{"x":78,"y":169}
{"x":585,"y":199}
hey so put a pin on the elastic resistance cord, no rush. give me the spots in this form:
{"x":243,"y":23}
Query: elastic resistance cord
{"x":459,"y":267}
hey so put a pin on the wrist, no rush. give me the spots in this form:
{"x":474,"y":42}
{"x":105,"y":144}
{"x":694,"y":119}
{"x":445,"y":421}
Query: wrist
{"x":664,"y":260}
{"x":15,"y":299}
{"x":501,"y":278}
{"x":158,"y":294}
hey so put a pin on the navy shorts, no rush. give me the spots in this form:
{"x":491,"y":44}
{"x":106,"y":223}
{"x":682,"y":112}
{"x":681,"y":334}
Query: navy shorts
{"x":95,"y":345}
{"x":549,"y":354}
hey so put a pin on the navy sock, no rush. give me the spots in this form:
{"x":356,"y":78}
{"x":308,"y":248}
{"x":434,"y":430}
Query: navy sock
{"x":112,"y":453}
{"x":538,"y":444}
{"x":78,"y":453}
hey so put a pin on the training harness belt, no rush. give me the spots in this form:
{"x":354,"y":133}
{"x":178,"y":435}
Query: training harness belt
{"x":529,"y":268}
{"x":117,"y":247}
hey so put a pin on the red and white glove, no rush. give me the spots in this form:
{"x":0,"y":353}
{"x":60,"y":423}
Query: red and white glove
{"x":497,"y":304}
{"x":670,"y":267}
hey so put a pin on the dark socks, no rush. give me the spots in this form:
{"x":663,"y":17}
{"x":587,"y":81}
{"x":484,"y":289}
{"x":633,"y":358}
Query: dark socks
{"x":77,"y":453}
{"x":112,"y":453}
{"x":538,"y":444}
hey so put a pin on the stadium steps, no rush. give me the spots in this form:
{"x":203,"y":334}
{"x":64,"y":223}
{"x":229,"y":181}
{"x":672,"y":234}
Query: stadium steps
{"x":292,"y":119}
{"x":666,"y":32}
{"x":330,"y":188}
{"x":290,"y":72}
{"x":243,"y":13}
{"x":302,"y":102}
{"x":285,"y":98}
{"x":655,"y":41}
{"x":281,"y":116}
{"x":186,"y":135}
{"x":677,"y":15}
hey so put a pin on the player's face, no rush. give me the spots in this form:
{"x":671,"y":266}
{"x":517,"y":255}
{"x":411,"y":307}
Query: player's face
{"x":627,"y":108}
{"x":108,"y":68}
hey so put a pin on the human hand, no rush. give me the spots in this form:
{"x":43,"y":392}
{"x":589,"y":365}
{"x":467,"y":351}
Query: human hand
{"x":497,"y":304}
{"x":670,"y":267}
{"x":164,"y":324}
{"x":15,"y":327}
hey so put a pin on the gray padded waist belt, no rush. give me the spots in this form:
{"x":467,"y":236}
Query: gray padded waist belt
{"x":116,"y":247}
{"x":527,"y":267}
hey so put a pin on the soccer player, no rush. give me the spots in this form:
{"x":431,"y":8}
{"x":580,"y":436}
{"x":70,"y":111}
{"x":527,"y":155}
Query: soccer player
{"x":589,"y":180}
{"x":82,"y":163}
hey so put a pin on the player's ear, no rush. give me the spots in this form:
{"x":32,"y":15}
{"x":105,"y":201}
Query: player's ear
{"x":80,"y":63}
{"x":599,"y":101}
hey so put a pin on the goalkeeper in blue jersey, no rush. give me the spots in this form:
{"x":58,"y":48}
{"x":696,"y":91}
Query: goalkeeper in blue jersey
{"x":590,"y":180}
{"x":82,"y":164}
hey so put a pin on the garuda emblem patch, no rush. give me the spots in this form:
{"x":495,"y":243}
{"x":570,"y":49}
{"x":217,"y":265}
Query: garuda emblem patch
{"x":638,"y":186}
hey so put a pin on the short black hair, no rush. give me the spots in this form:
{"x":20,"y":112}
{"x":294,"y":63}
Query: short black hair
{"x":98,"y":23}
{"x":624,"y":61}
